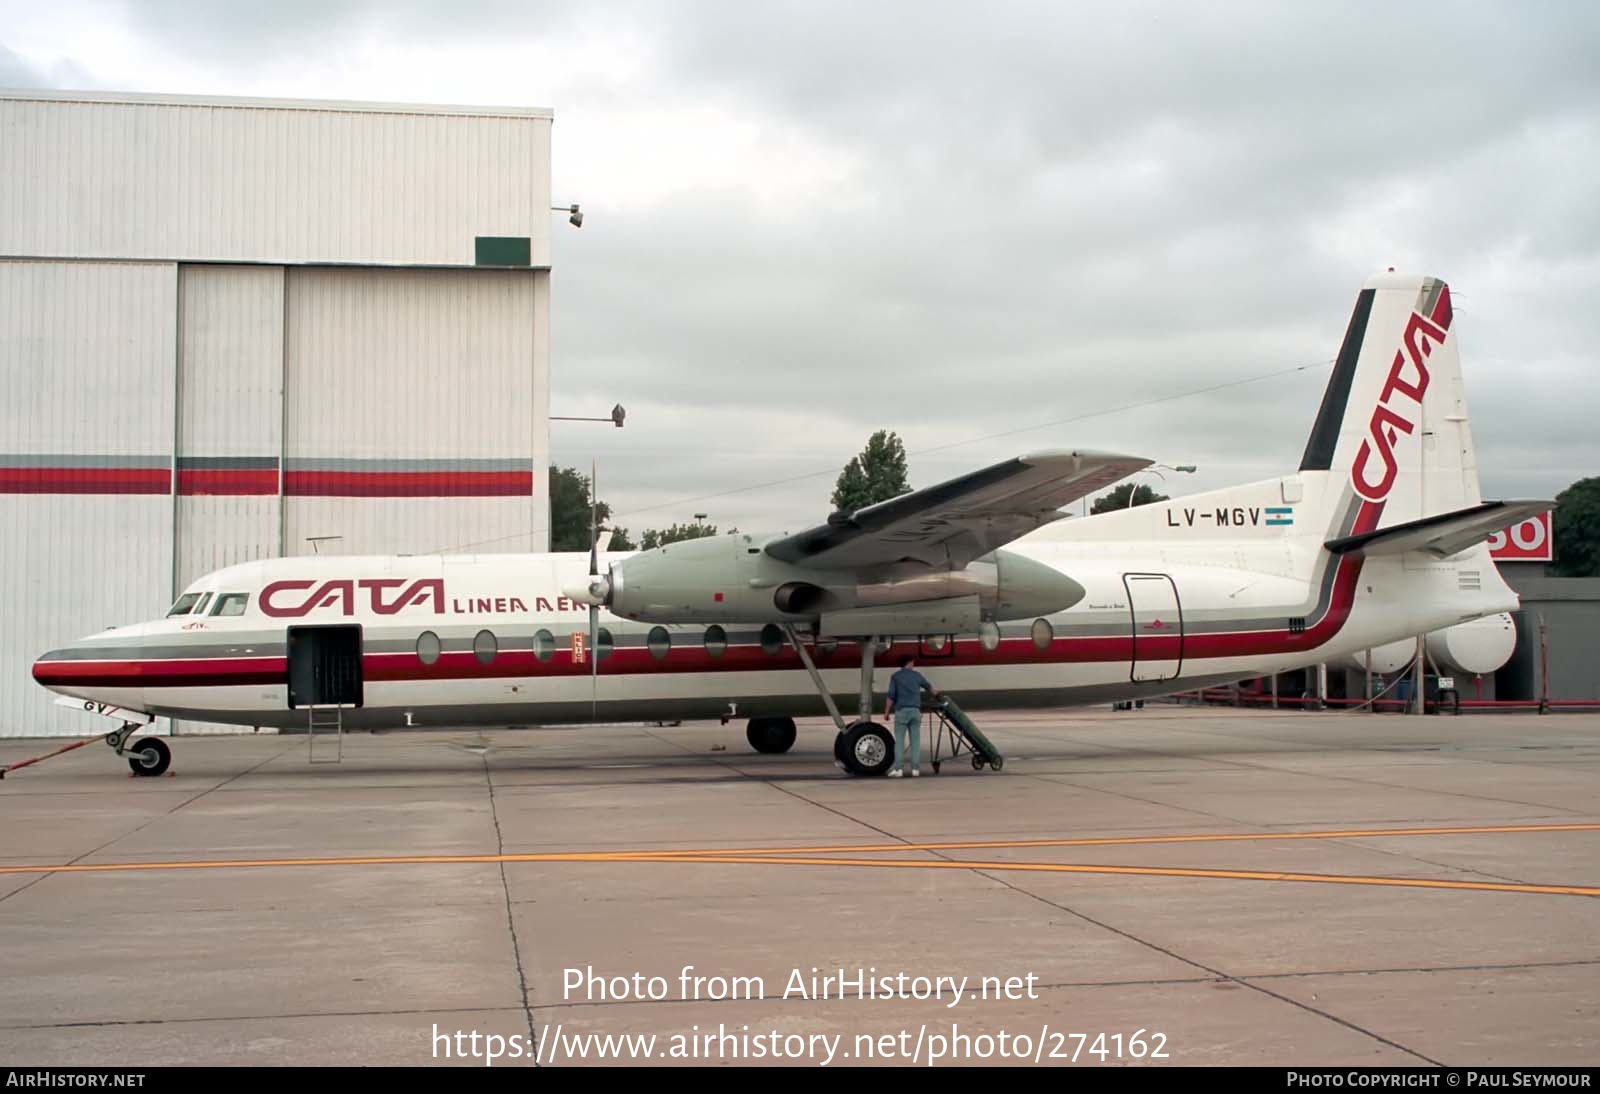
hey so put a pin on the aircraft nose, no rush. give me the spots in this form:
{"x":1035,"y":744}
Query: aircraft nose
{"x":94,"y":670}
{"x":52,"y":667}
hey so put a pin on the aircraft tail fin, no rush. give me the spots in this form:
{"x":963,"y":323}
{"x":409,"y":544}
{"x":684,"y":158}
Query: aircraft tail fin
{"x":1393,"y":420}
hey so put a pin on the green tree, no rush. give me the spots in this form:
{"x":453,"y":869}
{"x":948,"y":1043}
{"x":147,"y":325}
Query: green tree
{"x":660,"y":537}
{"x":1577,"y":530}
{"x":877,"y":474}
{"x":1118,"y":498}
{"x":570,"y":513}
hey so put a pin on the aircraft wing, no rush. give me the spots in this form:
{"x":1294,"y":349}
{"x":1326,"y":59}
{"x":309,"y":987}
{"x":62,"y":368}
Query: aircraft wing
{"x":1442,"y":535}
{"x":954,"y":522}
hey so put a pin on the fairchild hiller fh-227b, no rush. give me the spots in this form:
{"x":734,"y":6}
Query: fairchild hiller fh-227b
{"x":1377,"y":537}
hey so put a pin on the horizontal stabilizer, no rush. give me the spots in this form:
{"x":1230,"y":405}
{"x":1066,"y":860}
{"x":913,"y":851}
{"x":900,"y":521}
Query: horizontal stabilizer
{"x":1443,"y":535}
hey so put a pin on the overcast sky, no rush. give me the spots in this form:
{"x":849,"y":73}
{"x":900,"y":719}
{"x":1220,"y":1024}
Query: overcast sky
{"x":988,"y":227}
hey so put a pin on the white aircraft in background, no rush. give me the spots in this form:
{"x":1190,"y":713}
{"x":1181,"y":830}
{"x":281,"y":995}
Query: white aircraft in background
{"x":1377,"y":537}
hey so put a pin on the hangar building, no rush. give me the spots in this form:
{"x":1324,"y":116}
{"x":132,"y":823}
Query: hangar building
{"x":234,"y":329}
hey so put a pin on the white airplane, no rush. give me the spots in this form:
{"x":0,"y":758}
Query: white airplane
{"x":1377,"y":537}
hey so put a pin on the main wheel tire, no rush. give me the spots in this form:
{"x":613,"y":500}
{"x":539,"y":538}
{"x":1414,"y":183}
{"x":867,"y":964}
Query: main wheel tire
{"x":149,"y":756}
{"x":770,"y":735}
{"x":868,"y":749}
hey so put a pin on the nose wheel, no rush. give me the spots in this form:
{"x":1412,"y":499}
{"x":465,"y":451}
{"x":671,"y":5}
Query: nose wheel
{"x":149,"y":757}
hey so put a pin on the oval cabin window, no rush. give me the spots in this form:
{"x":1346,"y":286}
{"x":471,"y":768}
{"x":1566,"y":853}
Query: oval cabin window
{"x":1043,"y":632}
{"x":484,"y":647}
{"x":660,"y":642}
{"x":427,"y":647}
{"x":716,"y":640}
{"x":544,"y":645}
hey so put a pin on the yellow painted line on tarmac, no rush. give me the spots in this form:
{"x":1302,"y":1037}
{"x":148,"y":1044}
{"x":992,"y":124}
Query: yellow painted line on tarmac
{"x":680,"y":859}
{"x":1122,"y":841}
{"x":809,"y":856}
{"x":365,"y":860}
{"x":858,"y":848}
{"x":1148,"y":871}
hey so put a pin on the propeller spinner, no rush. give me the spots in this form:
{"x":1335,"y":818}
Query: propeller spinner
{"x":596,"y":591}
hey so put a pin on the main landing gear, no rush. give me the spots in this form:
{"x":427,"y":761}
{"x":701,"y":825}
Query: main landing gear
{"x":149,"y":757}
{"x":863,"y":747}
{"x":770,"y":735}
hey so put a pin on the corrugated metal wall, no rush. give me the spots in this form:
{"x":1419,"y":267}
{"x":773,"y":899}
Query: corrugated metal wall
{"x":409,"y":427}
{"x":230,"y":431}
{"x":164,"y":419}
{"x":86,"y":402}
{"x":219,"y":182}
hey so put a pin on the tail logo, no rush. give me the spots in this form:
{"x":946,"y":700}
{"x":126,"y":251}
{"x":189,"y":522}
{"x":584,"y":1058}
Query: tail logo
{"x":1388,"y":422}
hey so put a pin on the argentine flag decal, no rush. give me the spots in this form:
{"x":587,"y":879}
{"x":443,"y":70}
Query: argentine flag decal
{"x":1282,"y":514}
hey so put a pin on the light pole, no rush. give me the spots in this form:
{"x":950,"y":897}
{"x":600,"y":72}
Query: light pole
{"x":1185,"y":468}
{"x":617,"y":415}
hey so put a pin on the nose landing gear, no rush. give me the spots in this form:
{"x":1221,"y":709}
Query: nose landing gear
{"x":149,"y":758}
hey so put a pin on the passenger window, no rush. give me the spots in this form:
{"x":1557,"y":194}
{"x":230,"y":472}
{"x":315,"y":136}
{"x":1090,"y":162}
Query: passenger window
{"x":1043,"y":633}
{"x":544,"y":645}
{"x":716,"y":640}
{"x":660,"y":642}
{"x":428,"y":647}
{"x":485,"y":647}
{"x":230,"y":604}
{"x":771,"y":640}
{"x":185,"y":602}
{"x":602,"y":644}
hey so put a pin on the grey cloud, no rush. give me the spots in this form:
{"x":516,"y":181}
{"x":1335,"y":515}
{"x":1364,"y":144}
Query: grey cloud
{"x":1052,"y":210}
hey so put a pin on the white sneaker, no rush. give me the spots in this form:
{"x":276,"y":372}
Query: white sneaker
{"x":915,"y":772}
{"x":895,"y":774}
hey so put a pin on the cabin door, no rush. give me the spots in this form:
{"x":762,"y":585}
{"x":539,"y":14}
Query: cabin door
{"x":325,"y":666}
{"x":1157,"y":626}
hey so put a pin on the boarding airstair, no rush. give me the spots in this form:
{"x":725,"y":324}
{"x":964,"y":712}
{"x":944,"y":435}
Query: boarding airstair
{"x":952,"y":727}
{"x":330,"y":719}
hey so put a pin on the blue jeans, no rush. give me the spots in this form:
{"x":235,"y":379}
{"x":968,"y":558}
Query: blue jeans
{"x":907,"y":720}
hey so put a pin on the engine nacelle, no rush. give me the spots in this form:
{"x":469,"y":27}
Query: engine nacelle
{"x":731,"y":579}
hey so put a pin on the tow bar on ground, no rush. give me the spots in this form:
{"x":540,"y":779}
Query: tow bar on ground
{"x":150,"y":756}
{"x":8,"y":768}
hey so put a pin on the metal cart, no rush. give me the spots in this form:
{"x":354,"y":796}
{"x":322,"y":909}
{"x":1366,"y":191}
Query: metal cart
{"x":952,"y":727}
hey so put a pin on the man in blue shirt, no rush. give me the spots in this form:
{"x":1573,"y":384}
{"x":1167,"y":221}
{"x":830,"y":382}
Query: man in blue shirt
{"x":905,"y":706}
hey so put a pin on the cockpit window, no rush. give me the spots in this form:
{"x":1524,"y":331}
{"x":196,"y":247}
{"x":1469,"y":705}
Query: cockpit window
{"x":185,"y":602}
{"x":200,"y":608}
{"x":231,"y":604}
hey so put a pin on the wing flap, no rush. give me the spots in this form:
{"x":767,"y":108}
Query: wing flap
{"x":1443,"y":535}
{"x":954,"y":522}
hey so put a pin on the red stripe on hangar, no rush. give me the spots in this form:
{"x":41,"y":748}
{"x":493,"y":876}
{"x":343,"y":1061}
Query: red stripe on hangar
{"x":227,"y":481}
{"x":408,"y":484}
{"x":85,"y":480}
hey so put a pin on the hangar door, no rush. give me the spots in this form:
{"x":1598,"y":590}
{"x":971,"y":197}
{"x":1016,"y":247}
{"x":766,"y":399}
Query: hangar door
{"x":1157,"y":626}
